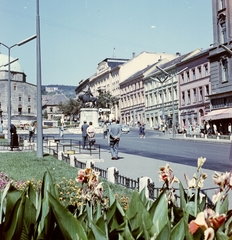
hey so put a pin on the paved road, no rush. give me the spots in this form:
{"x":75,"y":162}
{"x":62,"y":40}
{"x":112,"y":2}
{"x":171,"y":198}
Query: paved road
{"x":163,"y":147}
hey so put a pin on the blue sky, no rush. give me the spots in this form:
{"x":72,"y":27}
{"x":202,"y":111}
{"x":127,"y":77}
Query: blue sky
{"x":76,"y":35}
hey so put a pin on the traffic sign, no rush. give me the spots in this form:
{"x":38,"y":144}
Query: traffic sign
{"x":104,"y":110}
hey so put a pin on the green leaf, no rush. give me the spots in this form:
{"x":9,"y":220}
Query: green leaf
{"x":136,"y":212}
{"x":3,"y":197}
{"x":98,"y":233}
{"x":182,"y":196}
{"x":225,"y":206}
{"x":69,"y":226}
{"x":178,"y":232}
{"x":221,"y":235}
{"x":164,"y":233}
{"x":12,"y":223}
{"x":190,"y":208}
{"x":127,"y":233}
{"x":159,"y":212}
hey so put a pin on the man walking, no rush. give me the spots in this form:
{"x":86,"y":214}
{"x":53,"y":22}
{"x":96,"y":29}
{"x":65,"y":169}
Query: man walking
{"x":114,"y":135}
{"x":84,"y":133}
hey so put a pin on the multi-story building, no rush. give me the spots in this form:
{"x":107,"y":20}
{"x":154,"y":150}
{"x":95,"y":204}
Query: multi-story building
{"x":194,"y":89}
{"x":161,"y":93}
{"x":220,"y":57}
{"x":23,"y":94}
{"x":132,"y":103}
{"x":108,"y":77}
{"x":50,"y":105}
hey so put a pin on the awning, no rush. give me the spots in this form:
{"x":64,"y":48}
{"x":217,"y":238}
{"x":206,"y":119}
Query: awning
{"x":218,"y":114}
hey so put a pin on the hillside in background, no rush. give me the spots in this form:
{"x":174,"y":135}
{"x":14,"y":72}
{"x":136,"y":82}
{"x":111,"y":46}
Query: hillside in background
{"x":68,"y":91}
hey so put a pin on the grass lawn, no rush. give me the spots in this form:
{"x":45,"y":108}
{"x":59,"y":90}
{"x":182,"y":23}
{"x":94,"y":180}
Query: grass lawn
{"x":26,"y":166}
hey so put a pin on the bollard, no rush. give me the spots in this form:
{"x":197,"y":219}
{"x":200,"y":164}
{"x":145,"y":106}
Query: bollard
{"x":110,"y":174}
{"x":143,"y":182}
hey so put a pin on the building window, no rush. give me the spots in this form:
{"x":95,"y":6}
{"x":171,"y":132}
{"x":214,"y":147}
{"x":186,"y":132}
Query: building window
{"x":206,"y":70}
{"x":29,"y":110}
{"x":20,"y":99}
{"x":199,"y":73}
{"x":206,"y":92}
{"x":182,"y":77}
{"x":29,"y":99}
{"x":20,"y":110}
{"x":189,"y":97}
{"x":183,"y":98}
{"x":15,"y":87}
{"x":187,"y":74}
{"x":194,"y":95}
{"x":194,"y":74}
{"x":51,"y":109}
{"x":224,"y":69}
{"x":222,"y":2}
{"x":200,"y":94}
{"x":223,"y":31}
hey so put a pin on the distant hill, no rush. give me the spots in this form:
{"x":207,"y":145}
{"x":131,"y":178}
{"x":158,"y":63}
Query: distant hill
{"x":68,"y":91}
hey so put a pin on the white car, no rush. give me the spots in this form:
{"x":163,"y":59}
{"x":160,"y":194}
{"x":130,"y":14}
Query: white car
{"x":125,"y":128}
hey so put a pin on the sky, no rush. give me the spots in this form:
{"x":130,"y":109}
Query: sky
{"x":76,"y":35}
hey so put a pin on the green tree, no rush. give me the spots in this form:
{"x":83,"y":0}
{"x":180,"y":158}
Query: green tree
{"x":45,"y":114}
{"x":70,"y":108}
{"x":106,"y":100}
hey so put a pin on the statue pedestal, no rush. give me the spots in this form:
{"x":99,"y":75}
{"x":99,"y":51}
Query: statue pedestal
{"x":90,"y":115}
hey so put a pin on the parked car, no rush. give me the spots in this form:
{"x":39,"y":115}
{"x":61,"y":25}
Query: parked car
{"x":125,"y":128}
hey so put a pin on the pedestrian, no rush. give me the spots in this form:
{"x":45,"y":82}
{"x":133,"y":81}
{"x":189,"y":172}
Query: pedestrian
{"x":104,"y":130}
{"x":14,"y":142}
{"x":84,"y":134}
{"x":143,"y":131}
{"x":208,"y":131}
{"x":91,"y":134}
{"x":115,"y":132}
{"x":1,"y":128}
{"x":140,"y":130}
{"x":31,"y":132}
{"x":220,"y":129}
{"x":62,"y":130}
{"x":215,"y":128}
{"x":229,"y":129}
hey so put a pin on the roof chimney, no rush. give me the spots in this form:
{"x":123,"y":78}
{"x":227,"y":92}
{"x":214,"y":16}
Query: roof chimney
{"x":178,"y":54}
{"x":133,"y":54}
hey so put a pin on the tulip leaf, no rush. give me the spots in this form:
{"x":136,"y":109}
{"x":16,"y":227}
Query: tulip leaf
{"x":69,"y":226}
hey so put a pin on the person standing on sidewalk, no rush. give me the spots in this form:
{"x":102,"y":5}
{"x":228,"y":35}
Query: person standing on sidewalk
{"x":91,"y":134}
{"x":1,"y":127}
{"x":84,"y":134}
{"x":104,"y":130}
{"x":143,"y":130}
{"x":115,"y":132}
{"x":31,"y":132}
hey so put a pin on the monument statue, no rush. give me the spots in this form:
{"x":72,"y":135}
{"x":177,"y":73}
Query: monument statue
{"x":88,"y":97}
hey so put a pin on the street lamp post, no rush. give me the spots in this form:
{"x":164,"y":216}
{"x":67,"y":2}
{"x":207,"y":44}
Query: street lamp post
{"x":9,"y":81}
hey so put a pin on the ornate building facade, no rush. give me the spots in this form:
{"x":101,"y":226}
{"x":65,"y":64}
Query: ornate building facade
{"x":220,"y":57}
